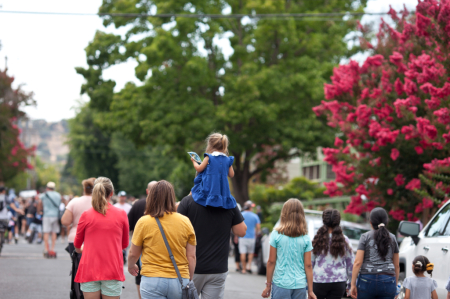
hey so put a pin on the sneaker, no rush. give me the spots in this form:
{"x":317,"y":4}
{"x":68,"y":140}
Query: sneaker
{"x":249,"y":271}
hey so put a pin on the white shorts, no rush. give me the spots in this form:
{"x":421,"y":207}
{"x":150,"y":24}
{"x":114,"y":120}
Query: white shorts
{"x":50,"y":224}
{"x":246,"y":245}
{"x":36,"y":227}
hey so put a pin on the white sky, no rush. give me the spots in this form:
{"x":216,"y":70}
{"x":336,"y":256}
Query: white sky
{"x":43,"y":50}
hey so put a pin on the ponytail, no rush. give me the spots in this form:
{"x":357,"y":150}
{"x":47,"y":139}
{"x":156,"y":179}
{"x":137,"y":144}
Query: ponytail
{"x":421,"y":264}
{"x":217,"y":142}
{"x":321,"y":243}
{"x":379,"y":219}
{"x":103,"y":188}
{"x":225,"y":143}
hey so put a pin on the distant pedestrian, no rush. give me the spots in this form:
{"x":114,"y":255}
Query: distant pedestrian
{"x":259,"y":213}
{"x":289,"y":268}
{"x":212,"y":227}
{"x":332,"y":258}
{"x":211,"y":187}
{"x":49,"y":204}
{"x":75,"y":208}
{"x":247,"y":242}
{"x":419,"y":286}
{"x":122,"y":204}
{"x":3,"y":208}
{"x":136,"y":212}
{"x":159,"y":278}
{"x":34,"y":218}
{"x":376,"y":264}
{"x":104,"y":231}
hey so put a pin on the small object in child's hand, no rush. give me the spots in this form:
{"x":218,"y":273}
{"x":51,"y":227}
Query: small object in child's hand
{"x":195,"y":157}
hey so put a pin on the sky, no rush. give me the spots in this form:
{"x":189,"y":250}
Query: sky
{"x":43,"y":50}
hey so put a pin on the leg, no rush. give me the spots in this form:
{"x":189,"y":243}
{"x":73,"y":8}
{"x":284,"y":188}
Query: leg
{"x":55,"y":230}
{"x":174,"y":289}
{"x":139,"y":290}
{"x":250,"y":259}
{"x":280,"y":293}
{"x":200,"y":281}
{"x":244,"y":263}
{"x":91,"y":290}
{"x":46,"y":235}
{"x":320,"y":290}
{"x":53,"y":241}
{"x":336,"y":290}
{"x":92,"y":295}
{"x":214,"y":287}
{"x":111,"y":289}
{"x":300,"y":294}
{"x":155,"y":287}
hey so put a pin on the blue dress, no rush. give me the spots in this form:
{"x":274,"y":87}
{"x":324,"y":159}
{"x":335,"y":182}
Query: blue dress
{"x":211,"y":186}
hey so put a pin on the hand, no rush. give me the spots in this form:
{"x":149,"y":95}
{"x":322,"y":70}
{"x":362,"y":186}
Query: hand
{"x":353,"y":292}
{"x":266,"y":292}
{"x":311,"y":295}
{"x":347,"y":292}
{"x":21,"y":212}
{"x":133,"y":269}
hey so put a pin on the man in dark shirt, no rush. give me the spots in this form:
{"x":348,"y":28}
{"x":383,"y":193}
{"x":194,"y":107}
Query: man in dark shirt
{"x":212,"y":229}
{"x":136,"y":212}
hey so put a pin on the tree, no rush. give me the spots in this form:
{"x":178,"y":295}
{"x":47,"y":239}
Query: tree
{"x":392,"y":112}
{"x":13,"y":154}
{"x":90,"y":148}
{"x":259,"y":96}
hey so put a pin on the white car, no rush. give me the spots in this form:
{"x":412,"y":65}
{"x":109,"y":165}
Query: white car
{"x":433,"y":242}
{"x":314,"y":221}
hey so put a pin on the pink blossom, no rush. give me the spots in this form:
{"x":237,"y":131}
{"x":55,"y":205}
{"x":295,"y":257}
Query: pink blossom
{"x":338,"y":142}
{"x":446,"y":137}
{"x":399,"y":180}
{"x":375,"y":61}
{"x":361,"y":190}
{"x":398,"y":86}
{"x":427,"y":203}
{"x":390,"y":191}
{"x":15,"y":164}
{"x":397,"y":214}
{"x":394,"y":154}
{"x":443,"y":115}
{"x":433,"y":104}
{"x":418,"y":150}
{"x":413,"y":184}
{"x":332,"y":189}
{"x":419,"y":208}
{"x":410,"y":87}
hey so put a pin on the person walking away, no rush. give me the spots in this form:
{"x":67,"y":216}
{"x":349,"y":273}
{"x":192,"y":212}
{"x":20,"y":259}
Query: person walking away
{"x":35,"y":225}
{"x":16,"y":211}
{"x":104,"y":231}
{"x":211,"y":187}
{"x":332,"y":258}
{"x":23,"y":205}
{"x":75,"y":208}
{"x":3,"y":212}
{"x":159,"y":278}
{"x":376,"y":263}
{"x":289,"y":268}
{"x":419,"y":286}
{"x":212,"y":227}
{"x":122,"y":204}
{"x":63,"y":228}
{"x":49,"y":204}
{"x":136,"y":212}
{"x":247,"y":243}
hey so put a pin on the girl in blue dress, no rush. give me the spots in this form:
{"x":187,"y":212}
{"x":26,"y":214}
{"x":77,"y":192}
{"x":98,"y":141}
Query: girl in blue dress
{"x":211,"y":186}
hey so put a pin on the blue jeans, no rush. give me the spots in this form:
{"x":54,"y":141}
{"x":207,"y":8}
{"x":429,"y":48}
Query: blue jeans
{"x":161,"y":288}
{"x":280,"y":293}
{"x":376,"y":286}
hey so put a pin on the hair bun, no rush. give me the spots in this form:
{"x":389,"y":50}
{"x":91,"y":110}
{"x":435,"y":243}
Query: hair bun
{"x":430,"y":267}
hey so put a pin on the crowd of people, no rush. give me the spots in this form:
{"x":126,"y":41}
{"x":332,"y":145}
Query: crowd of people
{"x":183,"y":247}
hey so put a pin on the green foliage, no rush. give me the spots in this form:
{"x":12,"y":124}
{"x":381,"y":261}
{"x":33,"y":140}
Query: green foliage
{"x":300,"y":188}
{"x":435,"y":186}
{"x":260,"y":96}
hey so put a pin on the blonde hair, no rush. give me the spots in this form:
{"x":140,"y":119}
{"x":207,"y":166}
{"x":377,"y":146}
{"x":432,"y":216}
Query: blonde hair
{"x":103,"y":188}
{"x":292,"y":220}
{"x":160,"y":200}
{"x":217,"y":142}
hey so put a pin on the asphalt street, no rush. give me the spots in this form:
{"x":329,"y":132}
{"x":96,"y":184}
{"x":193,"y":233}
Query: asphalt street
{"x":25,"y":273}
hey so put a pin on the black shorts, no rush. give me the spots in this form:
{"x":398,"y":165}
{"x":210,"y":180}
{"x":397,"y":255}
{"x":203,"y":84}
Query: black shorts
{"x":138,"y":277}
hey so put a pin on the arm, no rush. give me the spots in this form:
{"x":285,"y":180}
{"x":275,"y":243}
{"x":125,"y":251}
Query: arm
{"x":448,"y":295}
{"x":79,"y":238}
{"x":239,"y":229}
{"x":13,"y":206}
{"x":231,"y":172}
{"x":133,"y":257}
{"x":67,"y":218}
{"x":434,"y":295}
{"x":309,"y":274}
{"x":192,"y":259}
{"x":408,"y":294}
{"x":356,"y":267}
{"x":258,"y":228}
{"x":270,"y":268}
{"x":126,"y":231}
{"x":396,"y":261}
{"x":201,"y":167}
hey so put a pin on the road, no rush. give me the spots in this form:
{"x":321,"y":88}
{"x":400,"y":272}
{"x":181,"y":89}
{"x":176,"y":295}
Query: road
{"x":24,"y":273}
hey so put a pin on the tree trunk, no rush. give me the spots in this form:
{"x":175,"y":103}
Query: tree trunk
{"x":241,"y":178}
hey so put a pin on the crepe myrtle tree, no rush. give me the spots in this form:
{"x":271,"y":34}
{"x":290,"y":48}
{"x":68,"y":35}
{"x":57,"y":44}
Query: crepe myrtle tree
{"x":393,"y":113}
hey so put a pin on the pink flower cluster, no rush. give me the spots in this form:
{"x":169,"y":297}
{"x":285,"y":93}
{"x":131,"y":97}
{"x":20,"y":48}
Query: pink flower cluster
{"x":394,"y":111}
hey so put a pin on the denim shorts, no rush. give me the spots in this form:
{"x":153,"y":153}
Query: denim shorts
{"x":280,"y":293}
{"x":112,"y":288}
{"x":161,"y":288}
{"x":376,"y":286}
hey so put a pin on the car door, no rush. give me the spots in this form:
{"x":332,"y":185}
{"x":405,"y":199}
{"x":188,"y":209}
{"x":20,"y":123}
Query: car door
{"x":435,"y":246}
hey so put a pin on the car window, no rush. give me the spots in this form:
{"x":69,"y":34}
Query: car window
{"x":353,"y":232}
{"x":438,"y":225}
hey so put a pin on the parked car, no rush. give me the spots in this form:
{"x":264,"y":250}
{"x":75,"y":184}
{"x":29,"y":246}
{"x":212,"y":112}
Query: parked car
{"x":314,"y":220}
{"x":433,"y":242}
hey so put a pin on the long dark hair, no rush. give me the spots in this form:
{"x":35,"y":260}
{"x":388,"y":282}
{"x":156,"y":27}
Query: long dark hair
{"x":379,"y":220}
{"x":331,"y":219}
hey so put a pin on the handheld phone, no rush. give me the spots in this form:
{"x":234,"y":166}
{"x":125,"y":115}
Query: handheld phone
{"x":196,"y":157}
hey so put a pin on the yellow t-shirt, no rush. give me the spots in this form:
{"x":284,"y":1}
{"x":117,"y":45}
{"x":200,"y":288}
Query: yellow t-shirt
{"x":155,"y":257}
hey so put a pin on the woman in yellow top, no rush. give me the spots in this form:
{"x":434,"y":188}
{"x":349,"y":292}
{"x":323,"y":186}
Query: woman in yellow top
{"x":159,"y":279}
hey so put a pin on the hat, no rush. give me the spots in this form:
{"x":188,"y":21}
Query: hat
{"x":122,"y":193}
{"x":248,"y":205}
{"x":51,"y":185}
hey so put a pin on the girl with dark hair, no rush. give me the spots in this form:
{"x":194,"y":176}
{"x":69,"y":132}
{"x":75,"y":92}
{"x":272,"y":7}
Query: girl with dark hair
{"x":420,"y":286}
{"x":377,"y":261}
{"x":332,"y":258}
